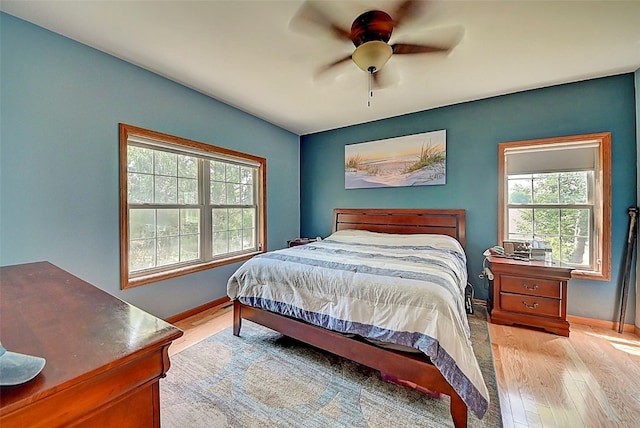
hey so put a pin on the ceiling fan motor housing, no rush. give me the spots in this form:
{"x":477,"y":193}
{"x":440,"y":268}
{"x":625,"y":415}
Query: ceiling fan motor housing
{"x":371,"y":25}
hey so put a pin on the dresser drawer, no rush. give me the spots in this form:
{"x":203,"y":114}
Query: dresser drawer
{"x":532,"y":286}
{"x":532,"y":305}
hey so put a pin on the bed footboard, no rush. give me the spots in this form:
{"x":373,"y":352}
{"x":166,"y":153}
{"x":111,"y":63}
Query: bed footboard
{"x":412,"y":367}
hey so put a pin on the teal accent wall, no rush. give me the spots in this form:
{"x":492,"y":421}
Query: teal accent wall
{"x":637,"y":286}
{"x":474,"y":130}
{"x":61,"y":103}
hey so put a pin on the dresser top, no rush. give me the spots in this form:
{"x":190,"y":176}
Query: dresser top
{"x":508,"y":264}
{"x":79,"y":329}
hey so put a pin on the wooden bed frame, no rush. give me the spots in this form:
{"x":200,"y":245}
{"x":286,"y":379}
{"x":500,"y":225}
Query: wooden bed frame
{"x":413,"y":367}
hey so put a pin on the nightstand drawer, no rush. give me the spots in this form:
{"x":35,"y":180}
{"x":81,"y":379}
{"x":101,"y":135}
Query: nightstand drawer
{"x":530,"y":305}
{"x":531,"y":286}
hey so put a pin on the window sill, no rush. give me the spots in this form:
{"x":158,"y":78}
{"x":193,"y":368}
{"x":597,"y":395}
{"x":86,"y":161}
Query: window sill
{"x":185,"y":270}
{"x":589,"y":275}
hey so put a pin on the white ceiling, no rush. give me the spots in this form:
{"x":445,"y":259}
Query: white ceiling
{"x":245,"y":54}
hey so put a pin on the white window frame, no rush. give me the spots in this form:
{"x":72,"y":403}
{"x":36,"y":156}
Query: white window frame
{"x":600,"y":233}
{"x":205,"y":153}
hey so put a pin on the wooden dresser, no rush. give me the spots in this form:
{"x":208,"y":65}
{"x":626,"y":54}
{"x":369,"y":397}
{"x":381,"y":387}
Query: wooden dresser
{"x":104,"y":356}
{"x":530,"y":293}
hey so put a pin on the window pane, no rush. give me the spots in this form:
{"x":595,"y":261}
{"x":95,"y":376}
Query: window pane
{"x":168,"y":250}
{"x":142,"y":223}
{"x":189,"y":248}
{"x":575,"y":222}
{"x":248,"y":218}
{"x":166,"y":190}
{"x":520,"y":190}
{"x":233,"y":229}
{"x":219,"y":219}
{"x":249,"y":231}
{"x":520,"y":223}
{"x":576,"y":250}
{"x":188,"y":191}
{"x":565,"y":230}
{"x":187,"y":166}
{"x":168,"y":222}
{"x":233,"y":173}
{"x":573,"y":187}
{"x":235,"y":240}
{"x":217,"y":171}
{"x":553,"y":242}
{"x":139,"y":188}
{"x":545,"y":189}
{"x":218,"y":193}
{"x":235,"y":219}
{"x":189,"y":221}
{"x":165,"y":163}
{"x":233,"y":194}
{"x":575,"y":229}
{"x":246,"y":175}
{"x":546,"y":222}
{"x":139,"y":159}
{"x":220,"y":243}
{"x":248,"y":239}
{"x":247,"y":194}
{"x":142,"y":254}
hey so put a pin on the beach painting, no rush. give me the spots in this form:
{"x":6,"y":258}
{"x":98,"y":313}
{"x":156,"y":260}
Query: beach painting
{"x":412,"y":160}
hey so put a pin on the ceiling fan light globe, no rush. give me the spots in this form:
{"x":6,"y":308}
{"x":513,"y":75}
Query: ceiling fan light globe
{"x":372,"y":55}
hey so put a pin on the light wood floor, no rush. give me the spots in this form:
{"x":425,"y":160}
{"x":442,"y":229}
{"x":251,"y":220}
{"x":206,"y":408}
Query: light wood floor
{"x":591,"y":379}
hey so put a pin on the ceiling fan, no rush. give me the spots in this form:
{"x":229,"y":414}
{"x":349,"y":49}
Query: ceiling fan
{"x":370,"y":33}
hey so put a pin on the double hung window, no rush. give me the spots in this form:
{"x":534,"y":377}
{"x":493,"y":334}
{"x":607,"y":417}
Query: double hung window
{"x":185,"y":206}
{"x":556,"y":192}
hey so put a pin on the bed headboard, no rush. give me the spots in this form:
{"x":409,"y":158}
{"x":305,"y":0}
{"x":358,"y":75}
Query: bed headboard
{"x":443,"y":222}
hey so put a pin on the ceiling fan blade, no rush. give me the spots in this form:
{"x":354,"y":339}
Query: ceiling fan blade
{"x":407,"y":48}
{"x":329,"y":66}
{"x":406,"y":9}
{"x":310,"y":13}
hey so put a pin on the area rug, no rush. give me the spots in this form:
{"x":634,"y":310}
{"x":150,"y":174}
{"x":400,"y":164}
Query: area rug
{"x":264,"y":379}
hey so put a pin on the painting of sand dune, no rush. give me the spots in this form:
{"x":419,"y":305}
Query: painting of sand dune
{"x":412,"y":160}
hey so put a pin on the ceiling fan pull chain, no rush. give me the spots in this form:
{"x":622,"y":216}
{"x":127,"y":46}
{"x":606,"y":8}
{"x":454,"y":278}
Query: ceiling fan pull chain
{"x":371,"y":70}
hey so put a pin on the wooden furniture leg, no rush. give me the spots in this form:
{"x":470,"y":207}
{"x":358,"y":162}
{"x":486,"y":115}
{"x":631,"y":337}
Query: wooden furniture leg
{"x":237,"y":318}
{"x":458,"y":411}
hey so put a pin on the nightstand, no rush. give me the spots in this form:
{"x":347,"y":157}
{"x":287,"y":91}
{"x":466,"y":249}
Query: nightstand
{"x":530,"y":293}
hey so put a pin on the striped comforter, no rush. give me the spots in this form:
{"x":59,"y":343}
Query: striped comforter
{"x":405,"y":290}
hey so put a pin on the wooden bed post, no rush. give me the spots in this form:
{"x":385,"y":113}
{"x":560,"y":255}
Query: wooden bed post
{"x":458,"y":411}
{"x":237,"y":317}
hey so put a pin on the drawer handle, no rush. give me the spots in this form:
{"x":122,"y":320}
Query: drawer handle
{"x":530,"y":287}
{"x":528,"y":306}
